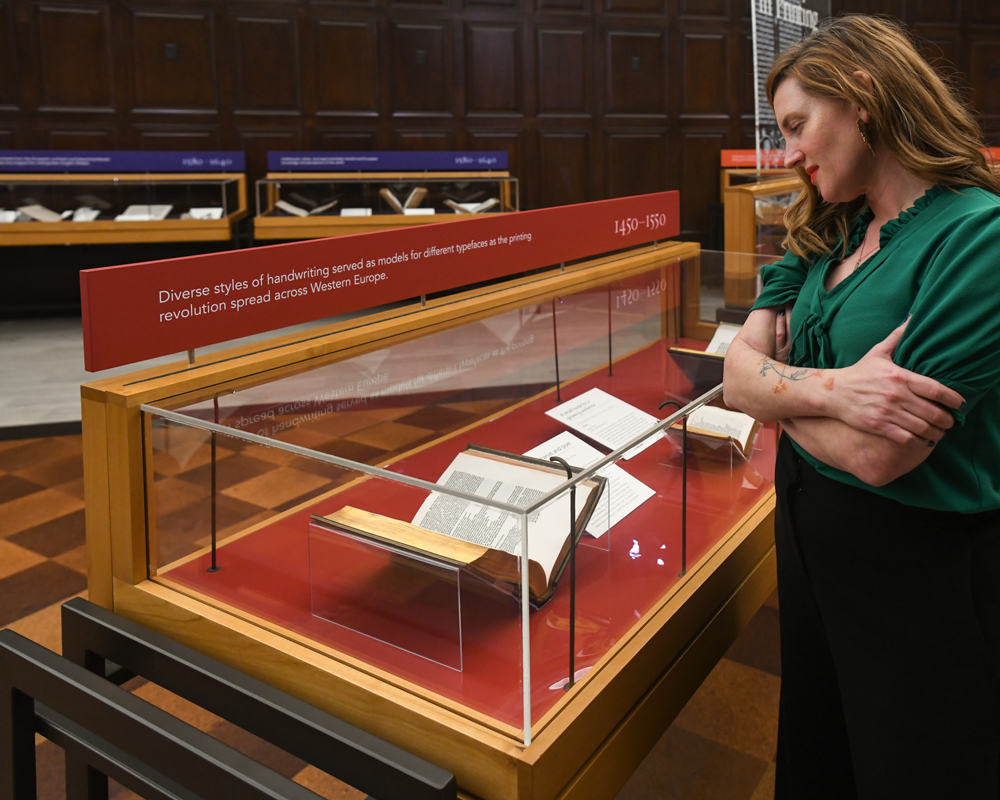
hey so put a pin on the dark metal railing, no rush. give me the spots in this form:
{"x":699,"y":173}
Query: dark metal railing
{"x":111,"y":646}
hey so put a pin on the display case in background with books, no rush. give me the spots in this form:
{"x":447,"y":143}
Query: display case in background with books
{"x":119,"y":197}
{"x":312,"y":195}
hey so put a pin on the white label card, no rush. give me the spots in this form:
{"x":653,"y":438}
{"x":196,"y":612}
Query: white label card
{"x":723,"y":337}
{"x":624,"y":493}
{"x":607,"y":420}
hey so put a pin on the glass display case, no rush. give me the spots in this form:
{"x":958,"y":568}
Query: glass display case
{"x":40,"y":209}
{"x":754,"y":228}
{"x":510,"y":528}
{"x":740,"y":176}
{"x":313,"y":205}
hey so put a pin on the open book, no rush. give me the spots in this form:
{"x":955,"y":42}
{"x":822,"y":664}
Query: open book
{"x":297,"y":211}
{"x":487,"y":541}
{"x":714,"y":427}
{"x":721,"y":339}
{"x":704,"y":367}
{"x":471,"y":208}
{"x":414,"y":199}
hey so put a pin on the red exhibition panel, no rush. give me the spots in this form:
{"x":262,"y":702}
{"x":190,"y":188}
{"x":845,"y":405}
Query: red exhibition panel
{"x":139,"y":311}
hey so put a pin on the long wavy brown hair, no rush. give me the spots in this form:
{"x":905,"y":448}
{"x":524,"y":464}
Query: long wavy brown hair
{"x":918,"y":117}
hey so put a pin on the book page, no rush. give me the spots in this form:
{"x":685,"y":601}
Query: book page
{"x":722,"y":422}
{"x":86,"y":214}
{"x":548,"y":528}
{"x":723,"y":337}
{"x":624,"y":493}
{"x":288,"y":208}
{"x":207,"y":212}
{"x":144,"y":213}
{"x":607,"y":420}
{"x":322,"y":208}
{"x":40,"y":213}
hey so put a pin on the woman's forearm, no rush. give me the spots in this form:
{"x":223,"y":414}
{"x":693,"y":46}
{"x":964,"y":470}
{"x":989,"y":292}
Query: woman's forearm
{"x":867,"y":456}
{"x":758,"y":383}
{"x":874,"y":395}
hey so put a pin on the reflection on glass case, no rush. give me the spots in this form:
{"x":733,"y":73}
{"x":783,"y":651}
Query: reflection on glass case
{"x":303,"y":205}
{"x":491,"y":527}
{"x":81,"y":209}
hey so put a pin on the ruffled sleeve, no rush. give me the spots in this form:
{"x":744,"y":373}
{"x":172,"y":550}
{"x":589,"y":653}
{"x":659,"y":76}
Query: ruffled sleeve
{"x":782,"y":281}
{"x":954,"y":333}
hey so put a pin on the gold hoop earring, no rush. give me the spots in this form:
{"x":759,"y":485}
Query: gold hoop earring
{"x":864,"y":136}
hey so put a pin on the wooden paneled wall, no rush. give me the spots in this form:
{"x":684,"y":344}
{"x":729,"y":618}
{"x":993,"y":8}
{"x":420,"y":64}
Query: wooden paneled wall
{"x":590,"y":98}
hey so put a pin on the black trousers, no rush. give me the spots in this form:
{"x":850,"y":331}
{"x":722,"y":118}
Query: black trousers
{"x":890,"y":644}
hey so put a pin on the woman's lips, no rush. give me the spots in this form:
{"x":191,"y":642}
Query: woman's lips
{"x":811,"y":172}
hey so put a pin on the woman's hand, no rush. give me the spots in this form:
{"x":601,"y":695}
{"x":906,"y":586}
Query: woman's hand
{"x":877,"y":396}
{"x":782,"y":336}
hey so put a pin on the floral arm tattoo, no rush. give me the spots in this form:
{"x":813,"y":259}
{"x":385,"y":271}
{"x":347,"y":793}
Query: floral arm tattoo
{"x":784,"y":373}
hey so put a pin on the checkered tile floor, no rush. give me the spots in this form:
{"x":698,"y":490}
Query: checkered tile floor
{"x":721,"y":746}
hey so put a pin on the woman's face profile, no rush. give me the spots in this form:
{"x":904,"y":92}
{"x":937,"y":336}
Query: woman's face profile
{"x":822,"y":137}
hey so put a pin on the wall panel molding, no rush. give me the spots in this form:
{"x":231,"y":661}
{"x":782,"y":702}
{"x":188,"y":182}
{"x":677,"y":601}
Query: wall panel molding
{"x":635,"y":73}
{"x":346,"y":75}
{"x":493,"y":73}
{"x":174,"y":60}
{"x":705,"y":70}
{"x":636,"y":161}
{"x":10,"y":99}
{"x":423,"y":77}
{"x":269,"y":85}
{"x":74,"y":56}
{"x":564,"y":74}
{"x":80,"y":137}
{"x":564,"y":159}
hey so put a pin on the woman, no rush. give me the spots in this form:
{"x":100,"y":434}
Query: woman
{"x":876,"y":343}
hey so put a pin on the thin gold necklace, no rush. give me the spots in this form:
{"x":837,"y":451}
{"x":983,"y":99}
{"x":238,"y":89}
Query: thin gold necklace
{"x":861,"y":252}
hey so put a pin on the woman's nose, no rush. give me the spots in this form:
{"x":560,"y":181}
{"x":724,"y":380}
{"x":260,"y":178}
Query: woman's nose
{"x":792,"y":157}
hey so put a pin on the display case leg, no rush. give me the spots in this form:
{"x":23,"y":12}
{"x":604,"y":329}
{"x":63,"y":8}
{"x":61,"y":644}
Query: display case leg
{"x":191,"y":357}
{"x":572,"y":574}
{"x":215,"y":566}
{"x":684,"y":496}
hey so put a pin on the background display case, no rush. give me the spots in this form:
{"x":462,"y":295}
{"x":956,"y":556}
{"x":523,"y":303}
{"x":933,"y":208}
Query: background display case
{"x":47,"y":209}
{"x":209,"y":491}
{"x":314,"y":205}
{"x":739,"y":176}
{"x":754,"y":228}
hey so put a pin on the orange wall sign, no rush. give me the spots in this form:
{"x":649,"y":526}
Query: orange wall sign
{"x":139,"y":311}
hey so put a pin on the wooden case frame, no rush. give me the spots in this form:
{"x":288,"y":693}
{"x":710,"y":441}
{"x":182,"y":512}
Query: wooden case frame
{"x":120,"y":232}
{"x":590,"y":743}
{"x":270,"y":228}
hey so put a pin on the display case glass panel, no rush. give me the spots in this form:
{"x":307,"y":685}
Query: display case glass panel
{"x":340,"y":504}
{"x":48,"y":198}
{"x":411,"y":195}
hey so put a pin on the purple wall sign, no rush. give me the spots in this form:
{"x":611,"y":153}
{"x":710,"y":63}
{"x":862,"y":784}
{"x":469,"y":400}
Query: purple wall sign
{"x":386,"y":161}
{"x":121,"y":161}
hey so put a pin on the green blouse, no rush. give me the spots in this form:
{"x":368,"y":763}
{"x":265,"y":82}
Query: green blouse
{"x":940,"y":261}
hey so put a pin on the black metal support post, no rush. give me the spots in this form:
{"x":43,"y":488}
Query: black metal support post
{"x":555,"y":344}
{"x":610,"y":373}
{"x":215,"y":565}
{"x":684,"y":484}
{"x":572,"y":573}
{"x":678,"y":295}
